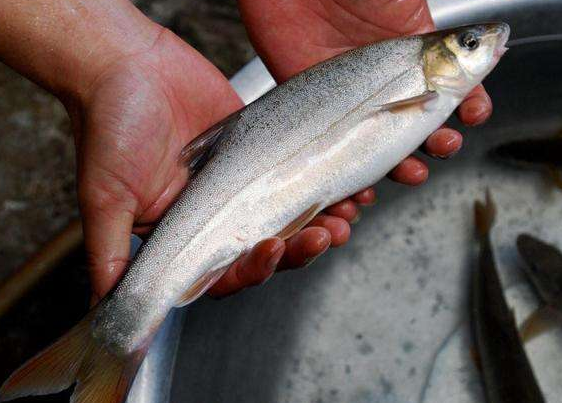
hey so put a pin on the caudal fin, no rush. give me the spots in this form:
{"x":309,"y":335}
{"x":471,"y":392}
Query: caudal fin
{"x":100,"y":376}
{"x":484,"y":214}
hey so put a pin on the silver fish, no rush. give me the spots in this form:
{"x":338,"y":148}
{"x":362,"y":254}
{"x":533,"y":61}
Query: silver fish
{"x":264,"y":171}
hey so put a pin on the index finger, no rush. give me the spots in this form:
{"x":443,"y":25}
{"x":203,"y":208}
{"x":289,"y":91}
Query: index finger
{"x":476,"y":107}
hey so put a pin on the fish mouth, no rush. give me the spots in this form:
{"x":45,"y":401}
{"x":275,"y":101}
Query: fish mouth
{"x":499,"y":52}
{"x":501,"y":30}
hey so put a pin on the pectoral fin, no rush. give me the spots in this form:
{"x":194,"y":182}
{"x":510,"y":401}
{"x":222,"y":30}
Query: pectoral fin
{"x":201,"y":286}
{"x":541,"y":321}
{"x":420,"y":101}
{"x":201,"y":149}
{"x":300,"y":222}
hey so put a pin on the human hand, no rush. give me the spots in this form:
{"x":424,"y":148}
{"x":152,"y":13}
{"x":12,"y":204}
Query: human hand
{"x":130,"y":128}
{"x":291,"y":36}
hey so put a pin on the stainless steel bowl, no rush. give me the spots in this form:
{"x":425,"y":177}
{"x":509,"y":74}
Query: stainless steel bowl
{"x":369,"y":322}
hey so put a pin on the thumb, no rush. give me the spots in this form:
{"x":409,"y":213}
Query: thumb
{"x":108,"y":224}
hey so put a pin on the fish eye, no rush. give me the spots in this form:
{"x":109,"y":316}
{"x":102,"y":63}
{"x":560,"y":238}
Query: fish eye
{"x":469,"y":41}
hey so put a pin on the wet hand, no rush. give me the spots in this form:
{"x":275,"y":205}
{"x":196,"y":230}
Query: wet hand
{"x":130,"y":127}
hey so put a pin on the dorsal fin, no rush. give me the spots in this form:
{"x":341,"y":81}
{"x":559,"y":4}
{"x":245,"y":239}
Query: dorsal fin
{"x":201,"y":149}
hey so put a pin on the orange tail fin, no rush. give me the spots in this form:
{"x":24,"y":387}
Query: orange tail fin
{"x":100,"y":376}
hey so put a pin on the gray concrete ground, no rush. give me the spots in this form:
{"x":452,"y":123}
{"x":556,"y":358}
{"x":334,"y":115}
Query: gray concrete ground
{"x":37,"y":194}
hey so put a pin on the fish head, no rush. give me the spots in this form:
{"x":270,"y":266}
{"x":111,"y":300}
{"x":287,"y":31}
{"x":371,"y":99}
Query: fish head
{"x":456,"y":60}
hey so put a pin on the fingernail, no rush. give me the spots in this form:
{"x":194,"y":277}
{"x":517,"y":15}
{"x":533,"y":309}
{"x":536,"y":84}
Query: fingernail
{"x":443,"y":141}
{"x":356,"y":219}
{"x":418,"y":176}
{"x":275,"y":259}
{"x":479,"y":112}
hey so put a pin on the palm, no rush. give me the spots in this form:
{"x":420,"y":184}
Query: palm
{"x":135,"y":155}
{"x":293,"y":35}
{"x":140,"y":115}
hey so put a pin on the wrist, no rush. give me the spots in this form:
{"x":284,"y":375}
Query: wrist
{"x":64,"y":44}
{"x":121,"y":34}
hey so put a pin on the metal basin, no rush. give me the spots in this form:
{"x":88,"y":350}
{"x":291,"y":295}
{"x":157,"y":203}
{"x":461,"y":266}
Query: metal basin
{"x":371,"y":322}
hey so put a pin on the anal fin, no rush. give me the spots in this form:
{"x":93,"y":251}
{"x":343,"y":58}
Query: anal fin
{"x":300,"y":222}
{"x":204,"y":282}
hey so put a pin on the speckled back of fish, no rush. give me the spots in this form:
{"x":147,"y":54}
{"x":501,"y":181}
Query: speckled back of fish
{"x":327,"y":133}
